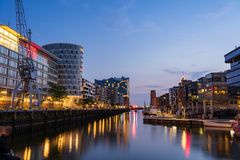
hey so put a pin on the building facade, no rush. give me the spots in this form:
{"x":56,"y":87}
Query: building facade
{"x":101,"y":94}
{"x":173,"y":98}
{"x":183,"y":94}
{"x":153,"y":98}
{"x":233,"y":76}
{"x":70,"y":68}
{"x":45,"y":63}
{"x":118,"y":90}
{"x":192,"y":95}
{"x":163,"y":102}
{"x":216,"y":89}
{"x":89,"y":89}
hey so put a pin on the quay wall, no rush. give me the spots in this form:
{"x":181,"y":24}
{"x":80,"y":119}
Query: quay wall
{"x":22,"y":120}
{"x":173,"y":122}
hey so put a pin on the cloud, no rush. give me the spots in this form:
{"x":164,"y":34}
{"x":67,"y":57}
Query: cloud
{"x":219,"y":11}
{"x":148,"y":86}
{"x":118,"y":19}
{"x":192,"y":75}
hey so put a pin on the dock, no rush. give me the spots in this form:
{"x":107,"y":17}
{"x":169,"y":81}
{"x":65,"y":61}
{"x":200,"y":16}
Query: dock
{"x":173,"y":121}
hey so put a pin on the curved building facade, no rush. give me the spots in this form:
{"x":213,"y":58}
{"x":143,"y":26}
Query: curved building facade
{"x":70,"y":66}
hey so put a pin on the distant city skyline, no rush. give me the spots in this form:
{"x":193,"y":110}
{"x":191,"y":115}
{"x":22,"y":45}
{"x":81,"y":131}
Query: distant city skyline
{"x":154,"y":43}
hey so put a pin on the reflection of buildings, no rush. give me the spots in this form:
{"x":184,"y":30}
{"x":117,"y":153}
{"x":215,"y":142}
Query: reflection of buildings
{"x":112,"y":131}
{"x":134,"y":124}
{"x":186,"y":143}
{"x":219,"y":144}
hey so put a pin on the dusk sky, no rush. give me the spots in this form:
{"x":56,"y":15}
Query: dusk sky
{"x":154,"y":42}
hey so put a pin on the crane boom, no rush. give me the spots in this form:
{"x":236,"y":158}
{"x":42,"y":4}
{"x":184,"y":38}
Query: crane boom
{"x":27,"y":86}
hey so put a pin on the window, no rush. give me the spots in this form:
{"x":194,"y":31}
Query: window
{"x":13,"y":55}
{"x":44,"y":75}
{"x":11,"y":82}
{"x":2,"y":80}
{"x":45,"y":68}
{"x":3,"y":70}
{"x":12,"y":73}
{"x":4,"y":50}
{"x":44,"y":82}
{"x":13,"y":64}
{"x":39,"y":81}
{"x":40,"y":66}
{"x":39,"y":73}
{"x":3,"y":60}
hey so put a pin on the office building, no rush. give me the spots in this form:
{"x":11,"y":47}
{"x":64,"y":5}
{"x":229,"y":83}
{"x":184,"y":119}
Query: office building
{"x":101,"y":94}
{"x":45,"y":63}
{"x":163,"y":102}
{"x":233,"y":76}
{"x":70,"y":68}
{"x":89,"y":89}
{"x":216,"y":89}
{"x":117,"y":90}
{"x":173,"y":98}
{"x":183,"y":93}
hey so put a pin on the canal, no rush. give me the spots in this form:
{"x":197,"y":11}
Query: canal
{"x":124,"y":137}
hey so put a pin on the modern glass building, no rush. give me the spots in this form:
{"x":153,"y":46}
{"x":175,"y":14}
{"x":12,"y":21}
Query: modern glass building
{"x":233,"y":76}
{"x":215,"y":91}
{"x":117,"y":90}
{"x":44,"y":62}
{"x":70,"y":67}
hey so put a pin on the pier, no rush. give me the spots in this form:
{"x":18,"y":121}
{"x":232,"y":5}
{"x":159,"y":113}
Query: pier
{"x":173,"y":121}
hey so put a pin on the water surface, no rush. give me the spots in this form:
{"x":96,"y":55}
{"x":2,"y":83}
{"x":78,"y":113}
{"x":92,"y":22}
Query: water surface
{"x":125,"y":137}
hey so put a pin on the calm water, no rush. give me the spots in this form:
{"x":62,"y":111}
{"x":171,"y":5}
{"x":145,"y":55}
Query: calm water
{"x":125,"y":137}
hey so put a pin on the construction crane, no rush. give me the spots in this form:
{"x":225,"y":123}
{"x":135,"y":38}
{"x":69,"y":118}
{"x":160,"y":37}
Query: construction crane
{"x":27,"y":86}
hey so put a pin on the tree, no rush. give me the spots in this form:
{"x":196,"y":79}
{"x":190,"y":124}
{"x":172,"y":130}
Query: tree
{"x":57,"y":92}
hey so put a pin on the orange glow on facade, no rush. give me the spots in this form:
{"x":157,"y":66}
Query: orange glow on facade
{"x":33,"y":51}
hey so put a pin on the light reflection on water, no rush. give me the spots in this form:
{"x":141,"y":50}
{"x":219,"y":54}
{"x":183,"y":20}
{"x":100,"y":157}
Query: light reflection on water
{"x":126,"y":137}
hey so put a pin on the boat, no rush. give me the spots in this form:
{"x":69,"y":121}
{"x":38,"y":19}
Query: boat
{"x":236,"y":130}
{"x":153,"y":112}
{"x":218,"y":124}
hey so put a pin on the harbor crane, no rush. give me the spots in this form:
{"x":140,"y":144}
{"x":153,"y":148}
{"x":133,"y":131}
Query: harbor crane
{"x":26,"y":89}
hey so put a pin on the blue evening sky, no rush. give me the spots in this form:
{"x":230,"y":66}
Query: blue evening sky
{"x":154,"y":42}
